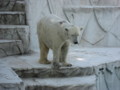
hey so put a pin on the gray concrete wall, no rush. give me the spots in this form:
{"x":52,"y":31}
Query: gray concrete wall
{"x":99,"y":18}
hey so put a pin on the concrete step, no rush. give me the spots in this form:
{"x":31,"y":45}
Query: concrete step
{"x":70,"y":7}
{"x":8,"y":41}
{"x":74,"y":83}
{"x":19,"y":6}
{"x":45,"y":72}
{"x":9,"y":80}
{"x":12,"y":18}
{"x":12,"y":5}
{"x":16,"y":32}
{"x":10,"y":47}
{"x":27,"y":66}
{"x":14,"y":26}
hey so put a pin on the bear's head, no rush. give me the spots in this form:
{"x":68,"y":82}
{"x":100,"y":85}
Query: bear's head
{"x":71,"y":32}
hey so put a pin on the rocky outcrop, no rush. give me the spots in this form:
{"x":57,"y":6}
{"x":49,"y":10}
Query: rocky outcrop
{"x":14,"y":31}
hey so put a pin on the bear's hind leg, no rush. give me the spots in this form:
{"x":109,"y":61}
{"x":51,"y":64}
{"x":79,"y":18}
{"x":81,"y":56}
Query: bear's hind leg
{"x":43,"y":54}
{"x":63,"y":55}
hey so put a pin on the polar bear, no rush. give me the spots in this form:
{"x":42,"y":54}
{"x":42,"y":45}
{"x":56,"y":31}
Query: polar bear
{"x":56,"y":34}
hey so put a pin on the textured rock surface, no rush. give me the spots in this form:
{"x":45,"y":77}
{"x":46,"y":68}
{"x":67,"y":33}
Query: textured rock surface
{"x":9,"y":79}
{"x":14,"y":33}
{"x":108,"y":76}
{"x":10,"y":47}
{"x":99,"y":25}
{"x":12,"y":18}
{"x":48,"y":72}
{"x":74,"y":83}
{"x":10,"y":33}
{"x":12,"y":5}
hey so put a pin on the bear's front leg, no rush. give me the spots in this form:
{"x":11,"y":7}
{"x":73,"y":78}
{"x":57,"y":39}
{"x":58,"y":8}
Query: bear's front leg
{"x":43,"y":54}
{"x":63,"y":55}
{"x":55,"y":63}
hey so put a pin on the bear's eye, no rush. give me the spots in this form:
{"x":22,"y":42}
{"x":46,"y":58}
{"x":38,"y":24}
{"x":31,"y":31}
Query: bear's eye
{"x":66,"y":29}
{"x":81,"y":29}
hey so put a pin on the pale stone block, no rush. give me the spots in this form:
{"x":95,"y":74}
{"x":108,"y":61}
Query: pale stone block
{"x":12,"y":18}
{"x":12,"y":5}
{"x":9,"y":79}
{"x":15,"y":32}
{"x":11,"y":47}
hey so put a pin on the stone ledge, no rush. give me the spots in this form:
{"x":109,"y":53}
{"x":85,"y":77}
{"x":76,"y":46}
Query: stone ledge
{"x":14,"y":26}
{"x":48,"y":72}
{"x":10,"y":47}
{"x":8,"y":41}
{"x":74,"y":83}
{"x":12,"y":18}
{"x":12,"y":5}
{"x":83,"y":60}
{"x":19,"y":6}
{"x":70,"y":7}
{"x":11,"y":12}
{"x":16,"y":32}
{"x":103,"y":60}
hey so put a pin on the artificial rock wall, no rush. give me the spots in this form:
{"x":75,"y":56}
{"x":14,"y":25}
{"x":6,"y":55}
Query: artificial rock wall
{"x":108,"y":76}
{"x":14,"y":31}
{"x":99,"y":18}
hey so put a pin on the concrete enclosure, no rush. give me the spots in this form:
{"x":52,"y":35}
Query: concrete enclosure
{"x":95,"y":68}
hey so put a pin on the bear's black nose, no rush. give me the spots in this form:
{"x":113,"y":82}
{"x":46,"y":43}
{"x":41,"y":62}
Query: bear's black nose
{"x":75,"y":42}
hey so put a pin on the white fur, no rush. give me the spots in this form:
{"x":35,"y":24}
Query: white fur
{"x":53,"y":35}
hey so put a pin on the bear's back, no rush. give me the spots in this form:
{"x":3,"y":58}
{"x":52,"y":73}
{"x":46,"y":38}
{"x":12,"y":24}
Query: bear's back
{"x":51,"y":19}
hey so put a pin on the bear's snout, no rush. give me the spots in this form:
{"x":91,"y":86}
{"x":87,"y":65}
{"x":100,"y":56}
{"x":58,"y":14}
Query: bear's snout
{"x":76,"y":42}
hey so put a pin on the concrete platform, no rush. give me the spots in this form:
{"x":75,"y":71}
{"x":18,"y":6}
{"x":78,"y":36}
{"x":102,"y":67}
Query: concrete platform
{"x":92,"y":69}
{"x":84,"y":61}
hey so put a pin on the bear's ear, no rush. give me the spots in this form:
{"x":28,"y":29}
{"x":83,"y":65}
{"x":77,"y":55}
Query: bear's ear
{"x":61,"y":22}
